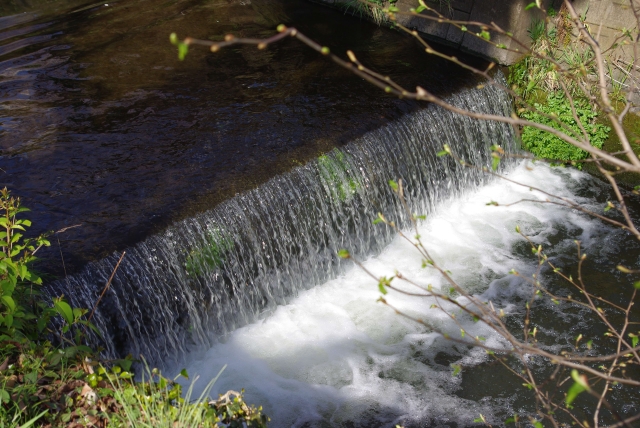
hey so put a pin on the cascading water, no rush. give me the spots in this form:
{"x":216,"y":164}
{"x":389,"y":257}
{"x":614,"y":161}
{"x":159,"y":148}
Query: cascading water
{"x":208,"y":275}
{"x":336,"y":357}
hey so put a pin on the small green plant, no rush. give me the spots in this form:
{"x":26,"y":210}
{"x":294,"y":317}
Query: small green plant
{"x":548,"y":146}
{"x":24,"y":315}
{"x":211,"y":255}
{"x":537,"y":30}
{"x":371,"y":8}
{"x":159,"y":402}
{"x":65,"y":385}
{"x":334,"y":172}
{"x":18,"y":308}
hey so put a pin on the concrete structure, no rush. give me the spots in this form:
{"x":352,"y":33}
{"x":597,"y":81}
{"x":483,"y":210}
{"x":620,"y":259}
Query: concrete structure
{"x":606,"y":19}
{"x":509,"y":15}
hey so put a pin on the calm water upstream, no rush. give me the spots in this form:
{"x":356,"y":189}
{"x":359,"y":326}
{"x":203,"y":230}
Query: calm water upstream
{"x":102,"y":126}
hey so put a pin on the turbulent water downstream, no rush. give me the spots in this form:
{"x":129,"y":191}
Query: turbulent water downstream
{"x":334,"y":356}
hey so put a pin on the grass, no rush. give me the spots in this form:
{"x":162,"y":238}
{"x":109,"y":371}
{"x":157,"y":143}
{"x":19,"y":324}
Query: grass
{"x":68,"y":384}
{"x":82,"y":392}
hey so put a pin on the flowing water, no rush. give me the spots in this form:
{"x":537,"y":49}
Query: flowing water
{"x":101,"y":126}
{"x":255,"y":283}
{"x":207,"y":275}
{"x":233,"y":179}
{"x":334,"y":356}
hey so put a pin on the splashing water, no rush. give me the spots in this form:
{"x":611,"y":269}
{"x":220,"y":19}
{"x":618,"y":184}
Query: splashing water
{"x":334,"y":356}
{"x":204,"y":277}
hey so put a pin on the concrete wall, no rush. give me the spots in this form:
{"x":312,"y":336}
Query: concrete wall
{"x":605,"y":19}
{"x":509,"y":15}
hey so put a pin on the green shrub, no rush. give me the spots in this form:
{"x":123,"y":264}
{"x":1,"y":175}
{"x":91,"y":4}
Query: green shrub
{"x":545,"y":145}
{"x":67,"y":385}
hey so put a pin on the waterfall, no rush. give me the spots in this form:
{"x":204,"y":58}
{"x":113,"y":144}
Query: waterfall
{"x":205,"y":276}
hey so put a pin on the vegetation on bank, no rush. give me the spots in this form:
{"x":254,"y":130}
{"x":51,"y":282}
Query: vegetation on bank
{"x":543,"y":96}
{"x":50,"y":378}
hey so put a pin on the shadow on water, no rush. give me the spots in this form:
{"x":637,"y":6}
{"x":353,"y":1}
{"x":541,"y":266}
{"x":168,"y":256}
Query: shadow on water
{"x":102,"y":126}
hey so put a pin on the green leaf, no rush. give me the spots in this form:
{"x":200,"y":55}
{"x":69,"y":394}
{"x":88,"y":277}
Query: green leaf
{"x":530,"y":6}
{"x":420,"y":9}
{"x":537,"y":424}
{"x":495,"y":162}
{"x":456,"y":369}
{"x":393,"y":185}
{"x":531,"y":84}
{"x":78,"y":312}
{"x":344,"y":254}
{"x":31,"y":377}
{"x":32,"y":421}
{"x":64,"y":310}
{"x":8,"y":320}
{"x":480,"y":419}
{"x":184,"y":373}
{"x":381,"y":287}
{"x":8,"y":301}
{"x":4,"y":396}
{"x":55,"y":358}
{"x":42,"y":323}
{"x":183,"y":49}
{"x":577,"y":388}
{"x":125,"y":364}
{"x":485,"y":35}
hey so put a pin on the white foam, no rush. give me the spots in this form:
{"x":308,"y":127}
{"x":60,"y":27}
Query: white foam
{"x":334,"y":354}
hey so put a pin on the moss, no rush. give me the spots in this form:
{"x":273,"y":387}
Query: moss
{"x":334,"y":170}
{"x":631,"y":126}
{"x":211,"y":255}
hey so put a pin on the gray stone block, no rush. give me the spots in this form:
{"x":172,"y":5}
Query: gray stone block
{"x":462,"y":5}
{"x":454,"y":35}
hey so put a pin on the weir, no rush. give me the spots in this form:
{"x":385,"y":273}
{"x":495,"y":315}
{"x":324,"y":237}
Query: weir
{"x":205,"y":276}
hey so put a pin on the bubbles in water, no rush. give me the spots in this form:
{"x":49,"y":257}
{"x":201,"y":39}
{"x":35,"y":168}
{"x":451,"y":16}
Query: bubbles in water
{"x":334,"y":356}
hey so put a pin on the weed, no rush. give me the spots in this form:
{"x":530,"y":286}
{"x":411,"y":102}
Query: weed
{"x":334,"y":171}
{"x":545,"y":145}
{"x":211,"y":255}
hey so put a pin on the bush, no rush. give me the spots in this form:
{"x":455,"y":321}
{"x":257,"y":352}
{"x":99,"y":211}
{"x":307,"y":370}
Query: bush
{"x":67,"y":384}
{"x":548,"y":146}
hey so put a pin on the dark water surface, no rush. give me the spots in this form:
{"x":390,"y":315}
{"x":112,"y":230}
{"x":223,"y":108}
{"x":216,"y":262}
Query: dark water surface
{"x":102,"y":126}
